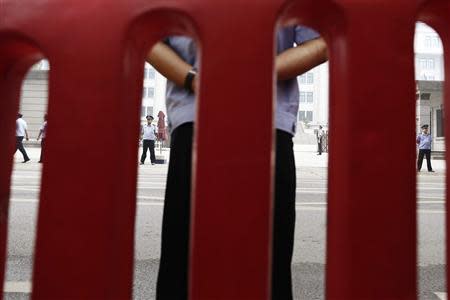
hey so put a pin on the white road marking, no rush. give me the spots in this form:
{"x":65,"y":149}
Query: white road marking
{"x":442,"y":296}
{"x":299,"y":206}
{"x":17,"y":287}
{"x":151,"y":198}
{"x":156,"y":200}
{"x":30,"y":188}
{"x":432,"y":197}
{"x":325,"y":203}
{"x":162,"y":186}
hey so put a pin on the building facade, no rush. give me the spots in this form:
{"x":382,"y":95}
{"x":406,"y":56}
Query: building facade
{"x":153,"y":92}
{"x":33,"y":102}
{"x":429,"y":72}
{"x":34,"y":95}
{"x":314,"y":95}
{"x":313,"y":86}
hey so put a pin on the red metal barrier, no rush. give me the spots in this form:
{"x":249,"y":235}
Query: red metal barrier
{"x":84,"y":247}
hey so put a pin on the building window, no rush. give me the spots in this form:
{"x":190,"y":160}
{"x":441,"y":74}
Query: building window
{"x":425,"y":96}
{"x":301,"y":115}
{"x":146,"y":111}
{"x":436,"y":42}
{"x":302,"y":97}
{"x":151,"y":93}
{"x":309,"y":116}
{"x":428,"y":41}
{"x":430,"y":64}
{"x":310,"y":97}
{"x":305,"y":116}
{"x":439,"y":123}
{"x":302,"y":79}
{"x":310,"y":78}
{"x":423,"y":63}
{"x":149,"y":73}
{"x":148,"y":92}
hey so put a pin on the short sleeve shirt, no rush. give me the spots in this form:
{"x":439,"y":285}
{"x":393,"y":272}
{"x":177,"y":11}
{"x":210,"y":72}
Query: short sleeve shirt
{"x":21,"y":126}
{"x":180,"y":102}
{"x":43,"y":129}
{"x":148,"y":132}
{"x":424,"y":141}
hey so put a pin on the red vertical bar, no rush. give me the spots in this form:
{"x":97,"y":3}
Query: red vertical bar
{"x":371,"y":250}
{"x":231,"y":227}
{"x":445,"y":36}
{"x":84,"y":246}
{"x":16,"y":56}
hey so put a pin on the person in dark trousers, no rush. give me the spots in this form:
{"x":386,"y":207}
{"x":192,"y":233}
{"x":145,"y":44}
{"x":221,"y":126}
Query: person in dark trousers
{"x":424,"y":141}
{"x":42,"y":134}
{"x":148,"y":137}
{"x":21,"y":133}
{"x":177,"y":60}
{"x":319,"y":140}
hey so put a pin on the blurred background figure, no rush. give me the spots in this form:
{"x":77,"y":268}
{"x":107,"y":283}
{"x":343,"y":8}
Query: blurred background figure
{"x":42,"y":133}
{"x":21,"y":133}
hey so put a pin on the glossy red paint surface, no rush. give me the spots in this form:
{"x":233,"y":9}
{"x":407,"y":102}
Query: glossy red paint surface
{"x":96,"y":49}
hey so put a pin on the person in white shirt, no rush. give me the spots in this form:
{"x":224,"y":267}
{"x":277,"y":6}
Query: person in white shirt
{"x":148,"y":137}
{"x":42,"y":134}
{"x":21,"y":132}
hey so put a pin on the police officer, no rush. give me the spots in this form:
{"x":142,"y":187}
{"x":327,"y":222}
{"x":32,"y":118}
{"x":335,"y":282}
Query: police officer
{"x":424,"y":142}
{"x":148,"y":136}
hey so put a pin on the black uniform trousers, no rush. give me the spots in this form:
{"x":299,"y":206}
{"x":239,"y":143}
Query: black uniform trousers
{"x":148,"y":145}
{"x":427,"y":154}
{"x":172,"y":281}
{"x":41,"y":159}
{"x":19,"y":146}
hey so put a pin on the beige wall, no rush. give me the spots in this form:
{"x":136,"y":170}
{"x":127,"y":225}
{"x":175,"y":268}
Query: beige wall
{"x":426,"y":110}
{"x":33,"y":102}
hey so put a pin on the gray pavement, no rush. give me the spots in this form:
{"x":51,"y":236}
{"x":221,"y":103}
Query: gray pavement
{"x":309,"y":255}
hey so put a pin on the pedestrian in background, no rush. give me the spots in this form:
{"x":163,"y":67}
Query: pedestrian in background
{"x":21,"y":133}
{"x":424,"y":142}
{"x":42,"y":134}
{"x":319,"y":140}
{"x":148,"y":136}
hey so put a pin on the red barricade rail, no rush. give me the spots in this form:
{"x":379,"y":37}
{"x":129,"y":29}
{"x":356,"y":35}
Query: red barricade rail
{"x":85,"y":235}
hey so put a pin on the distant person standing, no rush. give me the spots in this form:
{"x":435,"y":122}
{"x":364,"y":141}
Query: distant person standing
{"x":148,"y":135}
{"x":424,"y":142}
{"x":42,"y":134}
{"x":21,"y":133}
{"x":319,"y":140}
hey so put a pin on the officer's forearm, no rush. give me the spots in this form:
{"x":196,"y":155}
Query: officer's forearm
{"x":296,"y":61}
{"x":168,"y":63}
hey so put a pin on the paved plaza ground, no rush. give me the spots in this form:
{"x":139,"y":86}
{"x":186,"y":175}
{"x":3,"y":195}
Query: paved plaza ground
{"x":310,"y":236}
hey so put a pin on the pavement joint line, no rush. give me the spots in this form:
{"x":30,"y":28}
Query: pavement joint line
{"x":17,"y":287}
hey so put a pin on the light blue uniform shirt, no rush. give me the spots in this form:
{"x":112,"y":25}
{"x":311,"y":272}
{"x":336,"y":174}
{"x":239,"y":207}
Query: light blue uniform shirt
{"x":180,"y":103}
{"x":424,"y":141}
